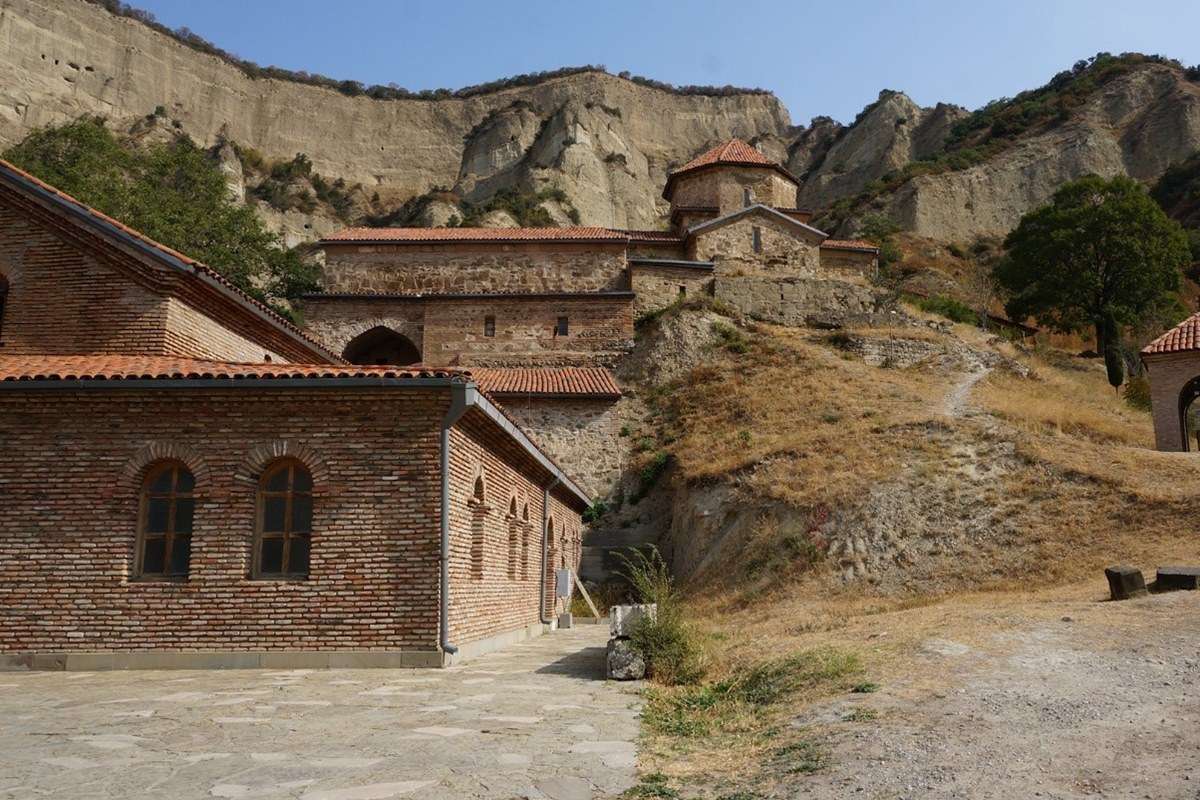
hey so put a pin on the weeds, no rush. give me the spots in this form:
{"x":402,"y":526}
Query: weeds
{"x":803,"y":757}
{"x":861,"y":714}
{"x":730,"y":338}
{"x":670,"y":646}
{"x":866,"y":687}
{"x":652,"y":785}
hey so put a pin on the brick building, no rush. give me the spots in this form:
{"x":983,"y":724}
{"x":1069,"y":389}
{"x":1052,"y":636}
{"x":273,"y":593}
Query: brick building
{"x":1173,"y":365}
{"x":187,"y":479}
{"x":560,"y":299}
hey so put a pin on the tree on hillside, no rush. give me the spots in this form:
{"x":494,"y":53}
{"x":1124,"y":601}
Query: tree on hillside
{"x":174,"y":193}
{"x":1101,"y":254}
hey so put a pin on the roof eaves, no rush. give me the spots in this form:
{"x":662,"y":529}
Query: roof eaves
{"x":756,"y":207}
{"x":162,"y":254}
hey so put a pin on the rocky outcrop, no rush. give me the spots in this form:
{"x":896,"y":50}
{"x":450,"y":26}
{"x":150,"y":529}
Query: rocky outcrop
{"x":606,"y":141}
{"x":886,"y":137}
{"x":1138,"y":125}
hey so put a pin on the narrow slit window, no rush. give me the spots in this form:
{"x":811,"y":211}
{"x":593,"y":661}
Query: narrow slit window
{"x":3,"y":301}
{"x":165,"y":522}
{"x":284,"y":529}
{"x":682,"y":291}
{"x":489,"y":325}
{"x":746,"y":196}
{"x":756,"y":237}
{"x":562,"y":327}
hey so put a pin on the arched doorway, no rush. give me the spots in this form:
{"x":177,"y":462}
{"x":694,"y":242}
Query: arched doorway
{"x":1189,"y":414}
{"x":382,"y":345}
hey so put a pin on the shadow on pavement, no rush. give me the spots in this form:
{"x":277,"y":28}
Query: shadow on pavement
{"x":585,"y":664}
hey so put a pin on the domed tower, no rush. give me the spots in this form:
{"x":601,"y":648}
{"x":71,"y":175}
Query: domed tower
{"x":728,"y":177}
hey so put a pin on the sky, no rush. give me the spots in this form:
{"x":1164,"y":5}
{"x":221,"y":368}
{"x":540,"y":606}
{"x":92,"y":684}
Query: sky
{"x":827,"y":58}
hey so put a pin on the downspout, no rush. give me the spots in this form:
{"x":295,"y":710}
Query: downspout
{"x":462,"y":397}
{"x":545,"y":550}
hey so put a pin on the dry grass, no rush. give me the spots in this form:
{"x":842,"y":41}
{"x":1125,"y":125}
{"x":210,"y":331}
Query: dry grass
{"x":816,"y":425}
{"x":799,"y":422}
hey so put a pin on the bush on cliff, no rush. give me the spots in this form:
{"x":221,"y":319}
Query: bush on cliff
{"x":173,"y":193}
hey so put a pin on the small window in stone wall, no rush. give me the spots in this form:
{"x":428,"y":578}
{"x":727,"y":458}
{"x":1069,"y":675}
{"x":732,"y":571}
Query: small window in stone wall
{"x":682,"y":291}
{"x":562,"y":327}
{"x":756,"y":236}
{"x":746,"y":198}
{"x":489,"y":325}
{"x":165,"y":523}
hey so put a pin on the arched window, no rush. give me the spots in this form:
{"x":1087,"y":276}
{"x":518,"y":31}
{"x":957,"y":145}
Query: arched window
{"x":479,"y":514}
{"x":284,"y":528}
{"x":165,"y":522}
{"x":382,"y":345}
{"x":525,"y":536}
{"x":514,"y":539}
{"x":3,"y":301}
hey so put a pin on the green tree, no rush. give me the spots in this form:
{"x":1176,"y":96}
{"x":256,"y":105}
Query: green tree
{"x":173,"y":193}
{"x":1101,"y":254}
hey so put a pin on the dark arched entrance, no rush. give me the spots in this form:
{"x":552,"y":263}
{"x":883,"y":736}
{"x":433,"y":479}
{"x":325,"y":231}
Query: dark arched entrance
{"x":1189,"y":413}
{"x":382,"y":345}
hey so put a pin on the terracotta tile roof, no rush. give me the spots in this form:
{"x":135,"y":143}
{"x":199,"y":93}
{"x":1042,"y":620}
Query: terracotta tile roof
{"x":1183,"y":337}
{"x":669,"y":237}
{"x":161,"y":249}
{"x":581,"y":381}
{"x":570,"y":234}
{"x":734,"y":152}
{"x":849,"y":244}
{"x":105,"y":367}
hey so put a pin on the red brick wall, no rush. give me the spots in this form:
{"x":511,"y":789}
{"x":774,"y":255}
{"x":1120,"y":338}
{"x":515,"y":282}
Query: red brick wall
{"x":481,"y":605}
{"x":70,"y":474}
{"x":65,"y":300}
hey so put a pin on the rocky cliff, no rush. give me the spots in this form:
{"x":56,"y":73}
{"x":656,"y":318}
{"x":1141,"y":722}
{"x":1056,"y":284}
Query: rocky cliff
{"x":604,"y":141}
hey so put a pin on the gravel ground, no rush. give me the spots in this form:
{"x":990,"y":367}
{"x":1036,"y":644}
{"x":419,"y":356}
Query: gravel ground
{"x":1102,"y":703}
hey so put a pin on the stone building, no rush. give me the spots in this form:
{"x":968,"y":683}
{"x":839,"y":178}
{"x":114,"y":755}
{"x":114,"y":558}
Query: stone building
{"x":557,"y":299}
{"x":187,"y":479}
{"x":1173,"y":364}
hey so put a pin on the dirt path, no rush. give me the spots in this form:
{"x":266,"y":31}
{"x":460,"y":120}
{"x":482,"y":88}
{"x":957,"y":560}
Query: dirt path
{"x":1101,"y":703}
{"x":956,"y":402}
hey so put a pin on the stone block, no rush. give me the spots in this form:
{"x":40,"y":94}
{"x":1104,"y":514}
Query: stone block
{"x":621,"y":619}
{"x":1172,"y":579}
{"x":1125,"y":582}
{"x":623,"y":662}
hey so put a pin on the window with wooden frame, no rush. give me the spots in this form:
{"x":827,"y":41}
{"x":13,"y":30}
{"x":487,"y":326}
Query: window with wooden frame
{"x":164,"y":544}
{"x":756,"y":238}
{"x":283,"y":530}
{"x":489,"y":325}
{"x":562,"y":327}
{"x":514,"y":536}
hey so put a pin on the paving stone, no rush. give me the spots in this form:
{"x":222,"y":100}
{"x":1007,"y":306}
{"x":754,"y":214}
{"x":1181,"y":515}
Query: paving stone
{"x":328,"y":741}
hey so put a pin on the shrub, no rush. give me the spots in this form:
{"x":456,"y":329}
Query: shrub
{"x":650,"y":474}
{"x":730,"y":338}
{"x":1137,"y":392}
{"x":595,"y":512}
{"x":669,"y":645}
{"x":950,"y":308}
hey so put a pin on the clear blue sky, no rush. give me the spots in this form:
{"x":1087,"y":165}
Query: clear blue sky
{"x":827,"y":58}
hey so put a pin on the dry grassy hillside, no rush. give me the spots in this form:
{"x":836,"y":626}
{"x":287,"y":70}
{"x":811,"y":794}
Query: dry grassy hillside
{"x":907,"y":482}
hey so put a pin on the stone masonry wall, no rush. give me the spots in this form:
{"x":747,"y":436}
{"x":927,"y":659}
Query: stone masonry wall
{"x":467,"y":268}
{"x":581,"y":435}
{"x":335,"y":322}
{"x":850,"y":262}
{"x":65,"y":300}
{"x":72,"y":467}
{"x":724,"y":188}
{"x":785,"y":250}
{"x":496,"y":546}
{"x":659,"y":286}
{"x":795,"y":301}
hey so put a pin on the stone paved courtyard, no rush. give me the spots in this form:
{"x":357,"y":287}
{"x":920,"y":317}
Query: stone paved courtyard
{"x":536,"y":720}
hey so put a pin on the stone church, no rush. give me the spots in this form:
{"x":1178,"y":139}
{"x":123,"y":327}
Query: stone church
{"x":188,"y":479}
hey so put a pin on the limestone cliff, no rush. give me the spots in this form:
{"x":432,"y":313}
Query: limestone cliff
{"x":605,"y":141}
